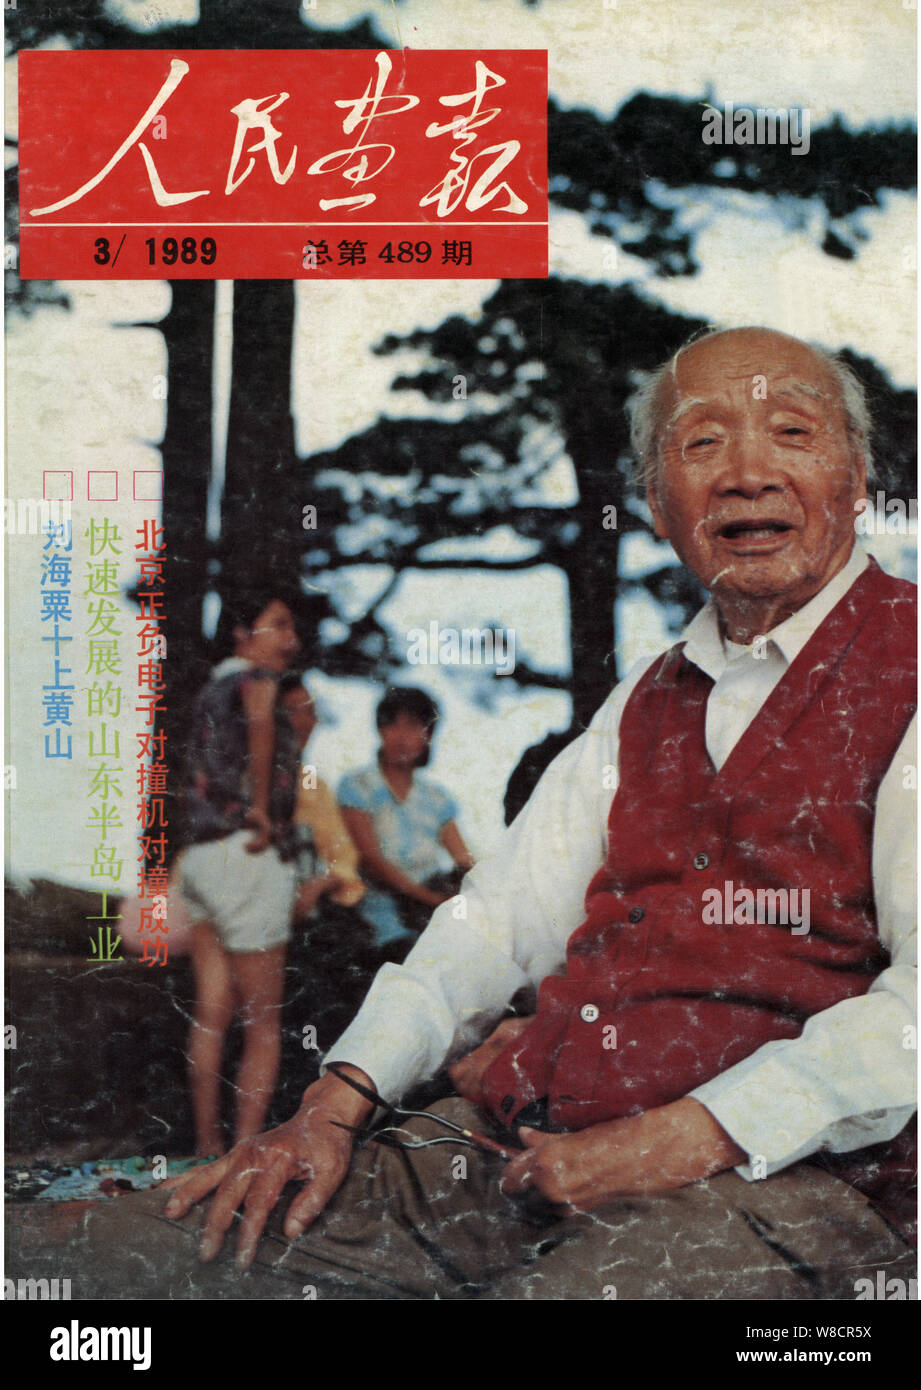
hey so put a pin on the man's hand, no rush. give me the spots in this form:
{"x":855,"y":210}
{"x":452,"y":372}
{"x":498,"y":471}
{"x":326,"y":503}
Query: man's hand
{"x":467,"y":1074}
{"x":307,"y":1149}
{"x":664,"y":1148}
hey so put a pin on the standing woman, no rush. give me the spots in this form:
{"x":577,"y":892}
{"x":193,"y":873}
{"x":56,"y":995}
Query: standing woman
{"x":403,"y":824}
{"x":237,"y":871}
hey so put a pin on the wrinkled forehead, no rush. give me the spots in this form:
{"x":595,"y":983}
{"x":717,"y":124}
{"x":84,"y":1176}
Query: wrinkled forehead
{"x":733,"y":368}
{"x":782,"y":391}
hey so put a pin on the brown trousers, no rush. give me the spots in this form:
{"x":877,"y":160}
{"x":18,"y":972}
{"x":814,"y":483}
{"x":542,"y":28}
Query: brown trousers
{"x":433,"y":1224}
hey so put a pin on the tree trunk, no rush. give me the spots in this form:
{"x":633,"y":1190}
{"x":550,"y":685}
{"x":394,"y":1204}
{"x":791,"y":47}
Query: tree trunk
{"x":261,"y":531}
{"x":592,"y":575}
{"x":188,"y":331}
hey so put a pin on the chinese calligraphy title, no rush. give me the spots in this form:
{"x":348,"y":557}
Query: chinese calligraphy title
{"x":472,"y":180}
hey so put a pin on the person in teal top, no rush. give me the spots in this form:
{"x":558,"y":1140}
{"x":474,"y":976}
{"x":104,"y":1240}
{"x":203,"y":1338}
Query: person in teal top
{"x":403,"y":824}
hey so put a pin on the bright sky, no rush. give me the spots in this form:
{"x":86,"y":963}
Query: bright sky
{"x":83,"y":393}
{"x":849,"y":56}
{"x":831,"y":56}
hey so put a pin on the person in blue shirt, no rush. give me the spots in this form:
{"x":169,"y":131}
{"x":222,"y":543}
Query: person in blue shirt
{"x":404,"y":825}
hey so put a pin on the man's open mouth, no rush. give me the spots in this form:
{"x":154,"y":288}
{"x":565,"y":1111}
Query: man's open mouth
{"x":753,"y":530}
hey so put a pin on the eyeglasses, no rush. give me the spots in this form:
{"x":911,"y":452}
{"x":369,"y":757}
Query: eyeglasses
{"x":388,"y":1133}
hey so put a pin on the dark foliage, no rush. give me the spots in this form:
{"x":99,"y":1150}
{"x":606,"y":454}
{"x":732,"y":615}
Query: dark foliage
{"x":547,"y":368}
{"x":604,"y":168}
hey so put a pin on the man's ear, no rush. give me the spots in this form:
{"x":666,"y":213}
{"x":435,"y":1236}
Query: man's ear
{"x":658,"y":520}
{"x":241,"y":634}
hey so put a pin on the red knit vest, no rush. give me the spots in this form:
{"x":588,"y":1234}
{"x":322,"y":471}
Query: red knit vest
{"x":658,"y":997}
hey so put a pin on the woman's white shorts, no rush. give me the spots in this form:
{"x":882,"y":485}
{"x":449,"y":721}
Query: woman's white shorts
{"x":248,"y":898}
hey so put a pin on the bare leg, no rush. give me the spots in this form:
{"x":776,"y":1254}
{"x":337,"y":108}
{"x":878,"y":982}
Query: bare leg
{"x":259,"y":979}
{"x":212,"y":1017}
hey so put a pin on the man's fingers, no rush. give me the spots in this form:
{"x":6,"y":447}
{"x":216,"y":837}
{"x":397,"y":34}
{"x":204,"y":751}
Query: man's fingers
{"x":518,"y":1174}
{"x":308,"y":1204}
{"x":229,"y":1196}
{"x":533,"y":1168}
{"x":261,"y":1197}
{"x":532,"y":1177}
{"x":169,"y":1183}
{"x":191,"y":1187}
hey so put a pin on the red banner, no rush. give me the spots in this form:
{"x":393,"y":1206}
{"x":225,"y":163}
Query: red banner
{"x":265,"y":164}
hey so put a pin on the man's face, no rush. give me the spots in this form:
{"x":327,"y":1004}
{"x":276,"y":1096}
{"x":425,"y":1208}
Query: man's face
{"x":757,"y":478}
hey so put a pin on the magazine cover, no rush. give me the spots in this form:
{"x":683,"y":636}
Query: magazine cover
{"x":460,"y":547}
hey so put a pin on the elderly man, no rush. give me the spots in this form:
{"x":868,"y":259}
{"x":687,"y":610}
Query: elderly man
{"x":730,"y":1038}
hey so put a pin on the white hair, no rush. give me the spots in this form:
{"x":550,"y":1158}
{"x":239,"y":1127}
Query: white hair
{"x":645,"y":407}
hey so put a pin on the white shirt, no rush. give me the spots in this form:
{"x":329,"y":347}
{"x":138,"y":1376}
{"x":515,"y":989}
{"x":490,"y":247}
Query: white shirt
{"x":847,"y":1081}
